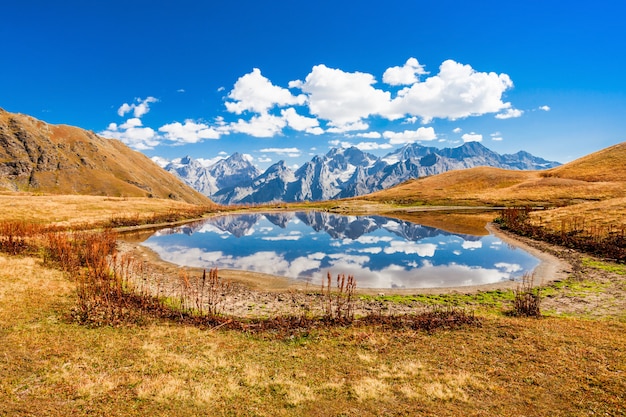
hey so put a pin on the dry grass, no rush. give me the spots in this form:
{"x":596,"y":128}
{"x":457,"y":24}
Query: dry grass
{"x":75,"y":210}
{"x":512,"y":366}
{"x":76,"y":161}
{"x":492,"y":186}
{"x":598,"y":176}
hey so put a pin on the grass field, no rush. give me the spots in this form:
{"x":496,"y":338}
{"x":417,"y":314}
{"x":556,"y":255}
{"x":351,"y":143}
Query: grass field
{"x":51,"y":366}
{"x":571,"y":362}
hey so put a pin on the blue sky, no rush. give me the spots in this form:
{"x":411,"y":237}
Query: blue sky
{"x":288,"y":79}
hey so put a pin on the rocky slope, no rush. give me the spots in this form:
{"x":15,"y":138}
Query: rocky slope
{"x":342,"y":172}
{"x":59,"y":159}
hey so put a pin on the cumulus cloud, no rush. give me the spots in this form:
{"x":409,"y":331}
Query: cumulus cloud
{"x":139,"y":107}
{"x":457,"y":130}
{"x":471,"y":245}
{"x":405,"y":75}
{"x":342,"y":98}
{"x":457,"y":91}
{"x":410,"y":136}
{"x":544,"y":108}
{"x":472,"y":137}
{"x":412,"y":248}
{"x":331,"y":100}
{"x":301,"y":123}
{"x":510,"y":114}
{"x":256,"y":93}
{"x":189,"y":132}
{"x":369,"y":135}
{"x":133,"y":134}
{"x":372,"y":146}
{"x":260,"y":126}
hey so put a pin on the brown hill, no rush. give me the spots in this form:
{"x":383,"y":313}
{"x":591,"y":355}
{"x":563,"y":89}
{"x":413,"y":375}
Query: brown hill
{"x":608,"y":164}
{"x":598,"y":176}
{"x":59,"y":159}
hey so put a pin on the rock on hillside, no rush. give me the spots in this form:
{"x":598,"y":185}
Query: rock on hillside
{"x":60,"y":159}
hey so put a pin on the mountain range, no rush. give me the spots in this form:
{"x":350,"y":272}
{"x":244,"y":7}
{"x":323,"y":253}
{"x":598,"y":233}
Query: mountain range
{"x":340,"y":173}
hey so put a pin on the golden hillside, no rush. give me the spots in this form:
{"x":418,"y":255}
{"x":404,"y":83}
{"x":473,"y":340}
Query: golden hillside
{"x":58,"y":159}
{"x":598,"y":176}
{"x":608,"y":164}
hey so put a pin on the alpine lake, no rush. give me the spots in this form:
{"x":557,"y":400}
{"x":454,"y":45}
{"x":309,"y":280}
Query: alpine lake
{"x":381,"y":252}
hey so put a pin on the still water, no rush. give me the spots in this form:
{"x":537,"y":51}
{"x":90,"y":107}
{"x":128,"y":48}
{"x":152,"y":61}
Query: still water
{"x":380,"y":252}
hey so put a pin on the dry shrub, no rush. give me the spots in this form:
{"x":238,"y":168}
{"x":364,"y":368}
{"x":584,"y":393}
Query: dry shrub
{"x":435,"y":318}
{"x":17,"y":237}
{"x":527,"y":300}
{"x":338,"y":305}
{"x":605,"y":241}
{"x":202,"y":295}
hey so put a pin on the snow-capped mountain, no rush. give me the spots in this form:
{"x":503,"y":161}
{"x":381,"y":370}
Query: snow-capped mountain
{"x":209,"y":179}
{"x":342,"y":172}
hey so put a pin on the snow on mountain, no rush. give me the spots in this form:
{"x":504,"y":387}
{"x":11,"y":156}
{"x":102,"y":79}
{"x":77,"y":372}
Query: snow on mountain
{"x":341,"y":173}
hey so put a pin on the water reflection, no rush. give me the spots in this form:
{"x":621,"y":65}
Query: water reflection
{"x":380,"y":252}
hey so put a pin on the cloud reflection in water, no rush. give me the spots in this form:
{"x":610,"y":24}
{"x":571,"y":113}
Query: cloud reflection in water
{"x":380,"y":252}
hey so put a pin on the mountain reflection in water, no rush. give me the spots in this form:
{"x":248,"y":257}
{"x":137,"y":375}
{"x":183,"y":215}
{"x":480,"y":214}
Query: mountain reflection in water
{"x":381,"y":252}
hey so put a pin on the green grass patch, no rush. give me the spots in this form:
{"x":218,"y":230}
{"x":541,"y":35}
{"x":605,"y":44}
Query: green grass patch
{"x":605,"y":266}
{"x":488,"y":299}
{"x":573,"y":288}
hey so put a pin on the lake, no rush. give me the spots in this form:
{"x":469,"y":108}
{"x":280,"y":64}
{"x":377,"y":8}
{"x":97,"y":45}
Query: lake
{"x":381,"y":252}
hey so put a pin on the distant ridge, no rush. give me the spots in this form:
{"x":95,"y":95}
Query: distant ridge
{"x":340,"y":173}
{"x":58,"y":159}
{"x":600,"y":176}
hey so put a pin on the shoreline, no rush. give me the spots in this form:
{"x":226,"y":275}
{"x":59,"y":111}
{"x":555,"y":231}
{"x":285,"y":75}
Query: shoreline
{"x":550,"y":268}
{"x":254,"y":294}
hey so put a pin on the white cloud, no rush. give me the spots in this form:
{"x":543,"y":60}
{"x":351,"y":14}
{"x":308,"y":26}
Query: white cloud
{"x":133,"y":134}
{"x":160,"y":161}
{"x":472,"y":137}
{"x":339,"y":143}
{"x":281,"y":238}
{"x":411,"y":120}
{"x":410,"y":136}
{"x":291,"y":152}
{"x":457,"y":91}
{"x":457,"y":130}
{"x":264,"y":160}
{"x":349,"y":127}
{"x":497,"y":136}
{"x":139,"y":108}
{"x":411,"y":248}
{"x":510,"y":114}
{"x":211,"y":161}
{"x":301,"y":123}
{"x":256,"y":93}
{"x":342,"y":98}
{"x":190,"y":132}
{"x":508,"y":267}
{"x":180,"y":90}
{"x":404,"y":75}
{"x":372,"y":146}
{"x":545,"y":108}
{"x":369,"y":135}
{"x":261,"y":126}
{"x":471,"y":245}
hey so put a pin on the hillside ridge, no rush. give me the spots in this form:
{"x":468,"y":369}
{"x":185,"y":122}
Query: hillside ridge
{"x":59,"y":159}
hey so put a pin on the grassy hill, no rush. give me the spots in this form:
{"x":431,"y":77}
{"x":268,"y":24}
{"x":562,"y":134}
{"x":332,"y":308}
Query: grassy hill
{"x":598,"y":176}
{"x":59,"y":159}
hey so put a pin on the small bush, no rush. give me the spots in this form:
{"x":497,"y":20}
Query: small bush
{"x":338,"y":305}
{"x":527,"y":300}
